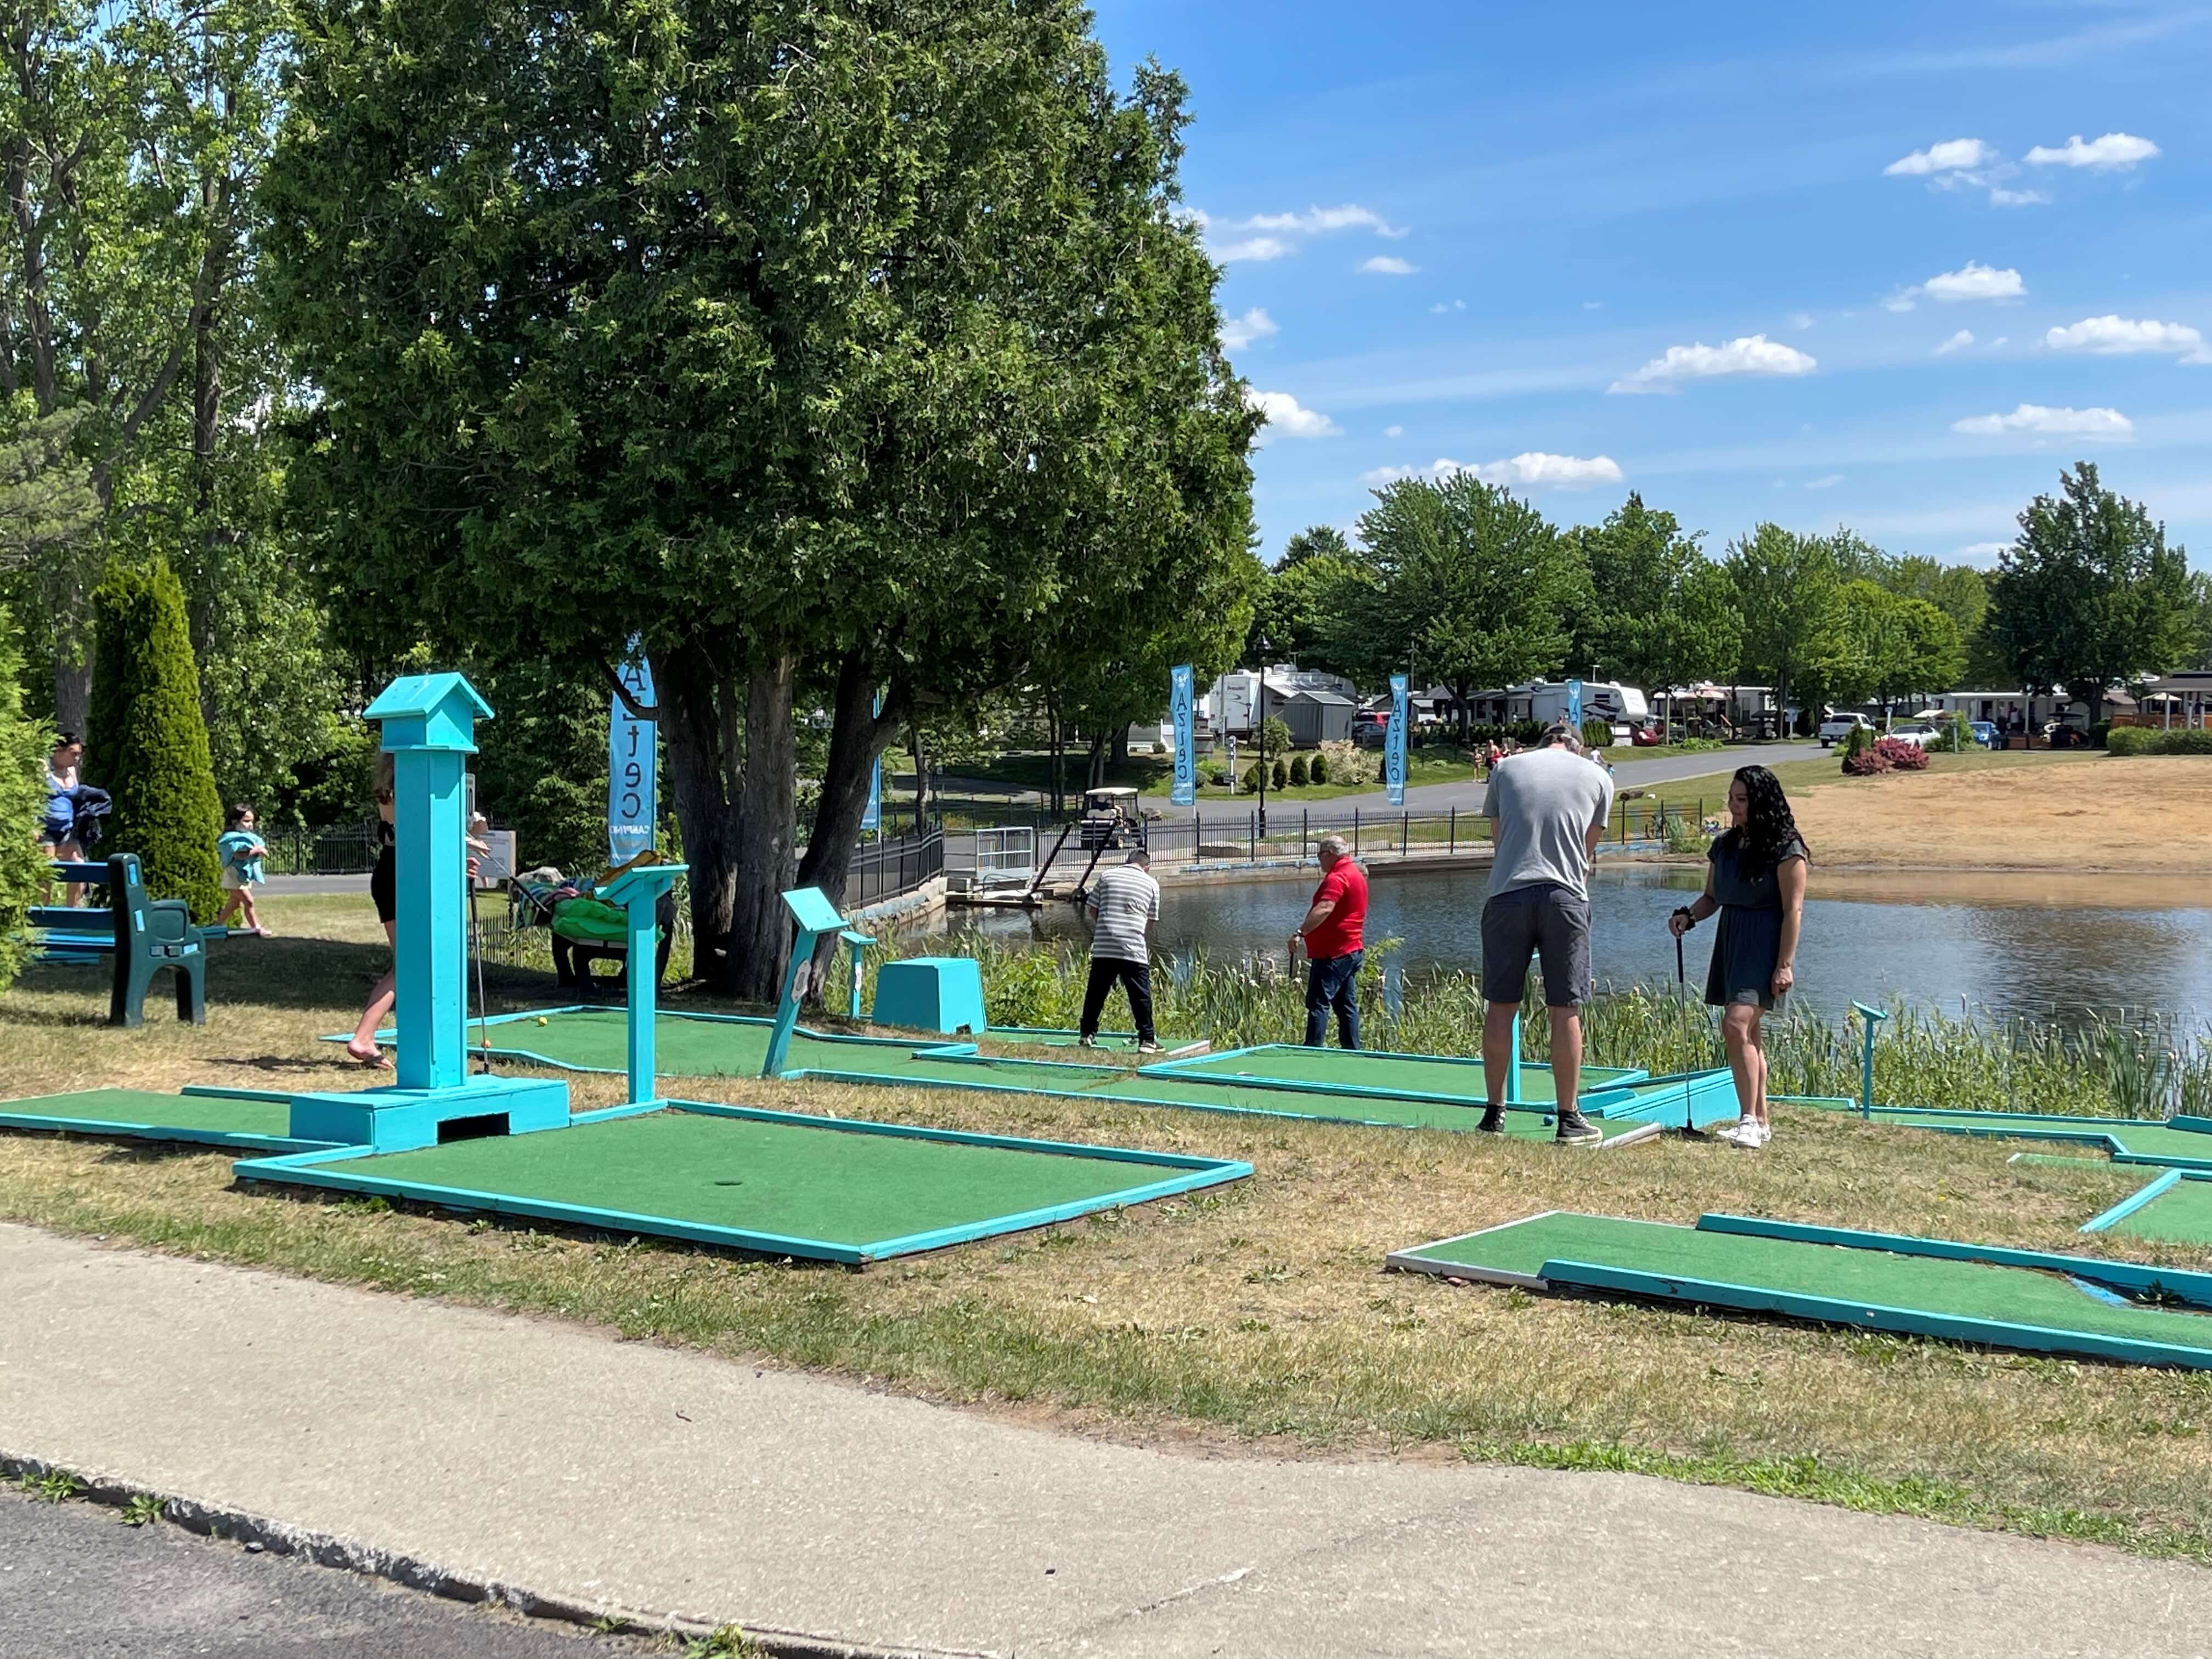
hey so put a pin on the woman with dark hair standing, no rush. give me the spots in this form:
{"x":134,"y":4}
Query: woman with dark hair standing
{"x":1755,"y":879}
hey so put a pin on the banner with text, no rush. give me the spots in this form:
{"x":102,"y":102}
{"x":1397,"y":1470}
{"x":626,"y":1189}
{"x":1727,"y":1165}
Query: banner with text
{"x":1180,"y":706}
{"x":632,"y":792}
{"x":1575,"y":705}
{"x":1394,"y":762}
{"x":871,"y":816}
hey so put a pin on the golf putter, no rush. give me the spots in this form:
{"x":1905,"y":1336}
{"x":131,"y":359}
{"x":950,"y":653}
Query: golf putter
{"x":1682,"y":980}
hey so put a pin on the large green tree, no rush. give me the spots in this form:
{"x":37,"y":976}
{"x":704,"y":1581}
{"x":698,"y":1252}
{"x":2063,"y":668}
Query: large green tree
{"x":1302,"y":607}
{"x":1661,"y":613}
{"x":1474,"y":588}
{"x":1791,"y":596}
{"x":1890,"y":647}
{"x":832,"y":348}
{"x":2090,"y":593}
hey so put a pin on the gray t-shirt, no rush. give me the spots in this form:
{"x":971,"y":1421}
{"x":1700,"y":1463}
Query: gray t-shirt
{"x":1122,"y":900}
{"x":1542,"y":804}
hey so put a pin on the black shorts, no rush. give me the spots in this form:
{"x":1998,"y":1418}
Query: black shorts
{"x":1518,"y":924}
{"x":383,"y":885}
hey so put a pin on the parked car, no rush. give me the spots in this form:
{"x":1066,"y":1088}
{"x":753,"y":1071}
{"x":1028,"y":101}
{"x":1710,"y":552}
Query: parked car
{"x":1985,"y":732}
{"x":1373,"y":733}
{"x":1647,"y":737}
{"x":1836,"y":727}
{"x":1919,"y":733}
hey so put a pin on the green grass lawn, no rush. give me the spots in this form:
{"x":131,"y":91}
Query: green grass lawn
{"x":1153,"y":776}
{"x":1242,"y":1318}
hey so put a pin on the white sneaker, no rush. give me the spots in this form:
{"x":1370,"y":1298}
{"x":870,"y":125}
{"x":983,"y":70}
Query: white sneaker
{"x":1748,"y":1135}
{"x":1734,"y":1134}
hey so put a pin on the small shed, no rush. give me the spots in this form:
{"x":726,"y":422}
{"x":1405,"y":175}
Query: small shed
{"x":1318,"y":717}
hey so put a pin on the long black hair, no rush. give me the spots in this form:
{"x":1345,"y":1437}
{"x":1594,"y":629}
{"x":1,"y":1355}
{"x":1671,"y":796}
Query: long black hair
{"x":1769,"y":826}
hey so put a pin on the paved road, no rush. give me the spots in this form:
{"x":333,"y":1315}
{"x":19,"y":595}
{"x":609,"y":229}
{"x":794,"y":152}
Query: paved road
{"x":549,"y":1456}
{"x":75,"y":1583}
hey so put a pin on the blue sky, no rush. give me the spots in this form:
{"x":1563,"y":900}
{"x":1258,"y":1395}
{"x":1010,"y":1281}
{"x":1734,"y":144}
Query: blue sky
{"x":1816,"y":264}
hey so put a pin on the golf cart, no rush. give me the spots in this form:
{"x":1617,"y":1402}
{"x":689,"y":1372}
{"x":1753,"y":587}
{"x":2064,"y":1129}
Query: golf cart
{"x":1111,"y":820}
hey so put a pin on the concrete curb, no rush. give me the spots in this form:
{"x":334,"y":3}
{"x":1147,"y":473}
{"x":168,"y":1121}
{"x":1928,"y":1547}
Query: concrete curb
{"x":259,"y":1534}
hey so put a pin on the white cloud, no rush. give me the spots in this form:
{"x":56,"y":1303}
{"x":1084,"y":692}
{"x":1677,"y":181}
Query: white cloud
{"x":1393,"y":431}
{"x":1388,"y":264}
{"x":1252,"y":248}
{"x":1828,"y":483}
{"x":1974,"y":280}
{"x":1593,"y":305}
{"x":2050,"y":422}
{"x":2114,"y":150}
{"x":1287,"y":417}
{"x":2000,"y":197}
{"x":1237,"y":332}
{"x":1800,"y":319}
{"x":1320,"y":221}
{"x":1946,"y":157}
{"x":1754,"y":354}
{"x":1984,"y":552}
{"x":2001,"y":339}
{"x":2112,"y":336}
{"x":1442,"y":306}
{"x":1958,"y":342}
{"x":1533,"y":470}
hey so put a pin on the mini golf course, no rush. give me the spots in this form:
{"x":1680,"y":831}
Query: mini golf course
{"x":2002,"y":1298}
{"x":1281,"y":1080}
{"x":2179,"y":1143}
{"x":245,"y":1120}
{"x":779,"y":1183}
{"x":2174,"y":1209}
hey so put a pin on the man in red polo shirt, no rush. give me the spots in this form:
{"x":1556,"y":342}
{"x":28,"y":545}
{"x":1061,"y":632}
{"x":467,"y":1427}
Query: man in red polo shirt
{"x":1330,"y":936}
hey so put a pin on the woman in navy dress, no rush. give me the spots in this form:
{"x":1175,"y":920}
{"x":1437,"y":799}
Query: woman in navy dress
{"x":1755,"y":879}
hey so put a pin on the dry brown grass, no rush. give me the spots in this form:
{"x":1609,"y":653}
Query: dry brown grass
{"x":1256,"y":1313}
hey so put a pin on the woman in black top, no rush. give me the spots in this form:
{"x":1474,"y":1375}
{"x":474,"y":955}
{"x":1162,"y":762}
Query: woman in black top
{"x":1755,"y":879}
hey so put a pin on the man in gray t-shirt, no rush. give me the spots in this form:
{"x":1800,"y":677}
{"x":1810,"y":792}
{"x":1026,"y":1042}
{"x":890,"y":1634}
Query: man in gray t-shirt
{"x":1547,"y":811}
{"x":1123,"y":903}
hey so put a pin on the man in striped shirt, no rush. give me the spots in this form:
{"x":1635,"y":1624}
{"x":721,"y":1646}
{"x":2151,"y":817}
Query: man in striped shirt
{"x":1124,"y":901}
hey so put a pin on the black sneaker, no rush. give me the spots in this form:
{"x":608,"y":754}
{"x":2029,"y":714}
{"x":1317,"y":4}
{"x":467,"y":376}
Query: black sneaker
{"x":1575,"y":1130}
{"x":1148,"y":1046}
{"x":1493,"y":1122}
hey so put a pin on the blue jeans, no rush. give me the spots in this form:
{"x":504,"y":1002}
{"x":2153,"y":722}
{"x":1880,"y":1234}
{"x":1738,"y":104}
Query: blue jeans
{"x":1330,"y":983}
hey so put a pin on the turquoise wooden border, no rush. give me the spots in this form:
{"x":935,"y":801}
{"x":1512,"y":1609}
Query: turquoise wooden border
{"x":2195,"y":1288}
{"x":1644,"y":1131}
{"x":1912,"y":1321}
{"x":2142,"y":1195}
{"x":1189,"y":1066}
{"x":1195,"y":1173}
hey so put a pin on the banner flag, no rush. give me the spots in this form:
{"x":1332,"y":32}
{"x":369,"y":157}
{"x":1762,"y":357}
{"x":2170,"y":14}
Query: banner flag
{"x":872,"y":816}
{"x":1180,"y":707}
{"x":633,"y":795}
{"x":1394,"y":772}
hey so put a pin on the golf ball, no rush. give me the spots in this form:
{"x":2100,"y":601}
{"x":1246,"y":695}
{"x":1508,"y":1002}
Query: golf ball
{"x":541,"y":1019}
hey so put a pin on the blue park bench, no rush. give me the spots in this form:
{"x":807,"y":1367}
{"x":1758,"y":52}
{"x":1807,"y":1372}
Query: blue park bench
{"x":156,"y":934}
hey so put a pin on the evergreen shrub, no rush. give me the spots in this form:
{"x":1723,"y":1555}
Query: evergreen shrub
{"x":1300,"y":771}
{"x":147,"y":745}
{"x":1319,"y":770}
{"x":24,"y":744}
{"x":1279,"y":776}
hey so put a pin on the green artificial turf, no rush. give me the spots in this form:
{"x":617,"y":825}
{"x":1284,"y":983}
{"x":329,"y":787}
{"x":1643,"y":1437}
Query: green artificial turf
{"x":1524,"y":1125}
{"x":796,"y":1181}
{"x":1408,"y":1074}
{"x":1959,"y":1289}
{"x":2180,"y":1215}
{"x":130,"y":1109}
{"x":2136,"y":1136}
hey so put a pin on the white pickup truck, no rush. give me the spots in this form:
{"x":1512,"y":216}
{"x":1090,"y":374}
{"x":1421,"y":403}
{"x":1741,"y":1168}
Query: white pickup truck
{"x":1836,"y":727}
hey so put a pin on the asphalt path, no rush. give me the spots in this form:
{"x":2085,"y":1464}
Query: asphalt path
{"x":1467,"y":797}
{"x":76,"y":1583}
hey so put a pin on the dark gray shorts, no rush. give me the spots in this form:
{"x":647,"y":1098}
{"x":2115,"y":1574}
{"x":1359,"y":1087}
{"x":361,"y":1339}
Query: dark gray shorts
{"x":1519,"y":924}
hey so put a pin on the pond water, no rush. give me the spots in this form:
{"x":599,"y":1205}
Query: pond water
{"x":2042,"y":947}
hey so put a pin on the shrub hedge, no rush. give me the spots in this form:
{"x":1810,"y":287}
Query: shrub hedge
{"x":23,"y":747}
{"x":2148,"y":740}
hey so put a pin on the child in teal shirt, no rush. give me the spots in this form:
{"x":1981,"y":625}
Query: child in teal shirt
{"x":241,"y":850}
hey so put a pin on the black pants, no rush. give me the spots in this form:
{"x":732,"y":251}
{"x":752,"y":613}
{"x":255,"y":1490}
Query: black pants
{"x":1332,"y":982}
{"x":1136,"y":978}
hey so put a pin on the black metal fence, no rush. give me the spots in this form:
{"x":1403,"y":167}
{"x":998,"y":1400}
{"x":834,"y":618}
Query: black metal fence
{"x":347,"y":849}
{"x":898,"y":864}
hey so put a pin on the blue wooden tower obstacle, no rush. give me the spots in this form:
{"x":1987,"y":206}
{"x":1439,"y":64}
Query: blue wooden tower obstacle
{"x":429,"y":729}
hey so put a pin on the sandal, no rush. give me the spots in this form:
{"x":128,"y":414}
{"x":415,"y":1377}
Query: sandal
{"x":376,"y":1059}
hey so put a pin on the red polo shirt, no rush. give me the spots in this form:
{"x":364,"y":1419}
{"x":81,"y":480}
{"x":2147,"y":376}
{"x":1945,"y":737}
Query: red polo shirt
{"x":1340,"y":936}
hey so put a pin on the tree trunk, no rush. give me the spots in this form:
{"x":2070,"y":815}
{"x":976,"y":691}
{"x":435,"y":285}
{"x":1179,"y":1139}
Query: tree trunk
{"x":1059,"y":741}
{"x":920,"y":751}
{"x":1097,"y":772}
{"x":702,"y":737}
{"x":765,"y":863}
{"x":1121,"y":750}
{"x":856,"y":737}
{"x":73,"y":691}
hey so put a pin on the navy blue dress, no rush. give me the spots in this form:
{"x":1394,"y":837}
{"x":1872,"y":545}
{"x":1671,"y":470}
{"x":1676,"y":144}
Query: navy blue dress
{"x":1748,"y":944}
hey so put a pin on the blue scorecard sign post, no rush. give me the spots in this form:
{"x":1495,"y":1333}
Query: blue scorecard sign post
{"x":633,"y":803}
{"x":1575,"y":705}
{"x":1394,"y":765}
{"x":1180,"y":705}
